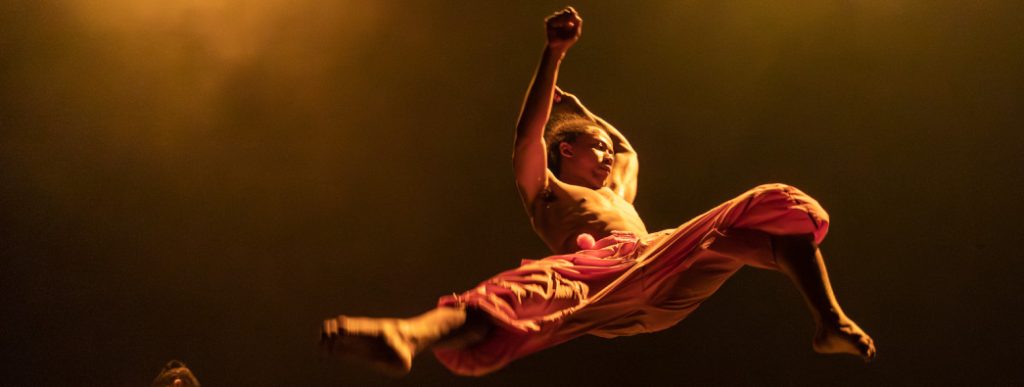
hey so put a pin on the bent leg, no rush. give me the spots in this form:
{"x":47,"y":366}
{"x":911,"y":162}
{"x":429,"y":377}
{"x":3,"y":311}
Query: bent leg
{"x":778,"y":227}
{"x":801,"y":260}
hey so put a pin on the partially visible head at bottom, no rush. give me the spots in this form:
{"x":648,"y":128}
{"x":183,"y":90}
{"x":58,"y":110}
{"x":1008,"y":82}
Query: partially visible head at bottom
{"x":175,"y":374}
{"x":579,"y":151}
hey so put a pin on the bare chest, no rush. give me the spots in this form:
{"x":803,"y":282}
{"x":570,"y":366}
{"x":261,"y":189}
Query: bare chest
{"x":562,"y":213}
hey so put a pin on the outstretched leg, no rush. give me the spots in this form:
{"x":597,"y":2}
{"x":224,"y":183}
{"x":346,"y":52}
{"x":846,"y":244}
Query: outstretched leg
{"x":389,"y":344}
{"x":800,"y":259}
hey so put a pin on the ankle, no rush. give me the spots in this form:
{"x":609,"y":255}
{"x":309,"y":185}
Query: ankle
{"x":432,"y":328}
{"x":472,"y":329}
{"x":830,"y":317}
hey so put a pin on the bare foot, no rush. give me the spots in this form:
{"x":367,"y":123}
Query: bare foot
{"x":379,"y":343}
{"x":844,"y":336}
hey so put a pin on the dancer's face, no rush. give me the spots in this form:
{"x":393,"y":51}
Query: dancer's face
{"x":588,"y":160}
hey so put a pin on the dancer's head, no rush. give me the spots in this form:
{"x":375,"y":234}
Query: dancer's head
{"x":579,"y":151}
{"x":175,"y":374}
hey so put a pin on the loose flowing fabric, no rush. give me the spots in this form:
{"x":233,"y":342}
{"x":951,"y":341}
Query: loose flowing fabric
{"x":625,"y":284}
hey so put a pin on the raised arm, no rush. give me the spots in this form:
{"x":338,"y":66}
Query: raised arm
{"x":623,"y":178}
{"x":529,"y":157}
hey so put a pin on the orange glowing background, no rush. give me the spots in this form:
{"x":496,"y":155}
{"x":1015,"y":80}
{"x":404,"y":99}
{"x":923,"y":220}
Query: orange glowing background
{"x":206,"y":180}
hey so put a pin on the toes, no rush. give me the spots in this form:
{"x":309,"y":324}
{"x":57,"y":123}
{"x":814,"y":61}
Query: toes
{"x":329,"y":329}
{"x":867,"y":348}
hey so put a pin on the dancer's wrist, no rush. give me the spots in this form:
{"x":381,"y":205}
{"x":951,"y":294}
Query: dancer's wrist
{"x":554,"y":52}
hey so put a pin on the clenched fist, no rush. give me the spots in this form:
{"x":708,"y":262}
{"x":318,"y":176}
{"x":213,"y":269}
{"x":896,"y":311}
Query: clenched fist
{"x":563,"y":29}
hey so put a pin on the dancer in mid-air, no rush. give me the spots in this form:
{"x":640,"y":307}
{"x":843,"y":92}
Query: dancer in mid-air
{"x":577,"y":178}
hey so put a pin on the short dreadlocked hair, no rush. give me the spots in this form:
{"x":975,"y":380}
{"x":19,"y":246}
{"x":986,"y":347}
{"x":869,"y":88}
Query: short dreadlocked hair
{"x":175,"y":369}
{"x":564,"y":128}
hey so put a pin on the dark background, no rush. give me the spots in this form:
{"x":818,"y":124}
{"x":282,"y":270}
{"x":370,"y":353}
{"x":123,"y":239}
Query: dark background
{"x":207,"y":180}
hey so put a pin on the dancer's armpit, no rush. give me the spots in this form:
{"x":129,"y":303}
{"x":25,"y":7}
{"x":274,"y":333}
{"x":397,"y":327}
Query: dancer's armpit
{"x":530,"y":163}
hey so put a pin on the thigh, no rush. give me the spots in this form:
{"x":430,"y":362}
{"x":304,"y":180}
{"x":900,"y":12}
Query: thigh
{"x":746,"y":246}
{"x":677,"y":296}
{"x":720,"y":255}
{"x":649,"y":303}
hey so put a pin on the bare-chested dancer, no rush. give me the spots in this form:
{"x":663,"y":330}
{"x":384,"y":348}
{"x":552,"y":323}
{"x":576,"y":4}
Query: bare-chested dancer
{"x":577,"y":178}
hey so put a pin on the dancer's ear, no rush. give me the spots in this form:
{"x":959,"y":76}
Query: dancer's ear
{"x":565,"y":149}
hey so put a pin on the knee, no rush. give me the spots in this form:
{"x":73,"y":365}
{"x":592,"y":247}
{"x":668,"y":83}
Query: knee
{"x":790,"y":194}
{"x":788,"y":210}
{"x":775,"y":188}
{"x":778,"y":193}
